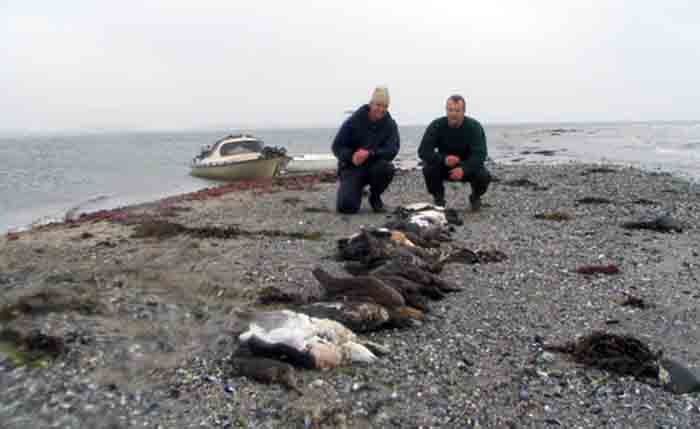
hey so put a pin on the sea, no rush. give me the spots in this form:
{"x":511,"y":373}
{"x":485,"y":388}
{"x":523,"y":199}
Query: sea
{"x":44,"y":178}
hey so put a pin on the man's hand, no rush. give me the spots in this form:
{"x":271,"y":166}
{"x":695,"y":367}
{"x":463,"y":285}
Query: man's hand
{"x":452,"y":161}
{"x":360,"y":156}
{"x":456,"y":173}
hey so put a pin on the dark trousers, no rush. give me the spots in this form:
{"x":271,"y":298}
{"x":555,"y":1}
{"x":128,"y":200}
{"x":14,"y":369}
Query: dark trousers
{"x":436,"y":174}
{"x":377,"y":174}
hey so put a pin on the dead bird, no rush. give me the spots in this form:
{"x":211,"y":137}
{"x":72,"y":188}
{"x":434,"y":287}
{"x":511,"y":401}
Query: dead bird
{"x":662,"y":223}
{"x":461,"y":256}
{"x":362,"y":288}
{"x":267,"y":371}
{"x":411,"y":291}
{"x":425,"y":220}
{"x":281,"y":349}
{"x":433,"y":284}
{"x":405,"y":317}
{"x":377,"y":246}
{"x":357,"y":316}
{"x":301,"y":339}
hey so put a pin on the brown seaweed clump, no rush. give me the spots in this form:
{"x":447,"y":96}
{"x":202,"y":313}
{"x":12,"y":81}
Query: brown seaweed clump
{"x":621,"y":354}
{"x":593,"y":200}
{"x":32,"y":347}
{"x":662,"y":223}
{"x":599,"y":170}
{"x":554,"y":216}
{"x":598,"y":269}
{"x":164,"y":229}
{"x":51,"y":301}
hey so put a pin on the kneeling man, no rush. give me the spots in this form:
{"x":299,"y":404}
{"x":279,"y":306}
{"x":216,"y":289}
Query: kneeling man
{"x":365,"y":145}
{"x":454,"y":148}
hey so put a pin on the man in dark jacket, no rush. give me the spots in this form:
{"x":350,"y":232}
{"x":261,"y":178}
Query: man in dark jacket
{"x":454,"y":148}
{"x":365,"y":145}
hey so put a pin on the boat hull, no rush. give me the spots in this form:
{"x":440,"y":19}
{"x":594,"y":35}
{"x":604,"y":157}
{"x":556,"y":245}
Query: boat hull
{"x":245,"y":170}
{"x":304,"y":163}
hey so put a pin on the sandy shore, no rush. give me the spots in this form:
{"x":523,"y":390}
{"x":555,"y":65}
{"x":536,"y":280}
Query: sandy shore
{"x":144,"y":325}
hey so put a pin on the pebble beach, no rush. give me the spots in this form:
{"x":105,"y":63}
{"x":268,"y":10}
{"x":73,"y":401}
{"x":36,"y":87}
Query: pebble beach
{"x":136,"y":330}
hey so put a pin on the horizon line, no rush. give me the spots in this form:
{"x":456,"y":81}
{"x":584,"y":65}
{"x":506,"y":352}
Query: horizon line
{"x":111,"y":130}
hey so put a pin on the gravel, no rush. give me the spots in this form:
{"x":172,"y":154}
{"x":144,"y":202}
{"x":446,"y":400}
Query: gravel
{"x":155,"y":352}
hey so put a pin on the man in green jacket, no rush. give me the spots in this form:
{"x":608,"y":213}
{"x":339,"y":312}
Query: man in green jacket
{"x":454,"y":148}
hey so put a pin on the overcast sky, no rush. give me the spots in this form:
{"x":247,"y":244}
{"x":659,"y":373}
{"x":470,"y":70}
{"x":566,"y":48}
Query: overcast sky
{"x":85,"y":65}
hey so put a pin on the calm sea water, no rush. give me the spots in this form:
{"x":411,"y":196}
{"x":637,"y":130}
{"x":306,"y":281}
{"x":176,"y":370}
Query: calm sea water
{"x":44,"y":177}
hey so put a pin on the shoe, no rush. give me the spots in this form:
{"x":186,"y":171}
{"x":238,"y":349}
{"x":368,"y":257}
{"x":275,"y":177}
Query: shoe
{"x":475,"y":204}
{"x":439,"y":201}
{"x":377,"y":204}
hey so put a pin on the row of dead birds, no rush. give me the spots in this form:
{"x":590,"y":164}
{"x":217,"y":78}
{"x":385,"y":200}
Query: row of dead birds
{"x":394,"y":276}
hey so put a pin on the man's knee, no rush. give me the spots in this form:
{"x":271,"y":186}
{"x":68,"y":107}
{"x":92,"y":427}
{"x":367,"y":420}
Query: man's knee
{"x":383,"y":168}
{"x":480,"y":175}
{"x":483,"y":176}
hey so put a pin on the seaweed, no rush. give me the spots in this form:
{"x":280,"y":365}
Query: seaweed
{"x":600,"y":170}
{"x":525,"y":183}
{"x":50,"y":301}
{"x":164,"y":229}
{"x":593,"y":200}
{"x":621,"y":354}
{"x":554,"y":216}
{"x":598,"y":269}
{"x":32,"y":349}
{"x":662,"y":223}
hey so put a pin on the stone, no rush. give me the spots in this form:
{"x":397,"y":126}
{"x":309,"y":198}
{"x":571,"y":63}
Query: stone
{"x":677,"y":378}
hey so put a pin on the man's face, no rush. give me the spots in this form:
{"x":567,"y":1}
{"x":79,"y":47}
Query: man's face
{"x":455,"y":113}
{"x":377,"y":110}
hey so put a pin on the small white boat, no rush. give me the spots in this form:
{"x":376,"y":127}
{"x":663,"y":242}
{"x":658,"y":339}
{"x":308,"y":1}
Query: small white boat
{"x":311,"y":162}
{"x":238,"y":157}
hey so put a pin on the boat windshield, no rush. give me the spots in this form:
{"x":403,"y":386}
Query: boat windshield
{"x":235,"y":148}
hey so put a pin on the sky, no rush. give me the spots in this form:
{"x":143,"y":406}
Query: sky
{"x":174,"y":64}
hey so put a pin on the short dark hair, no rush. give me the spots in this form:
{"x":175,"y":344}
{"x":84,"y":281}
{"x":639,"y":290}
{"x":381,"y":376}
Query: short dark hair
{"x":456,"y":98}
